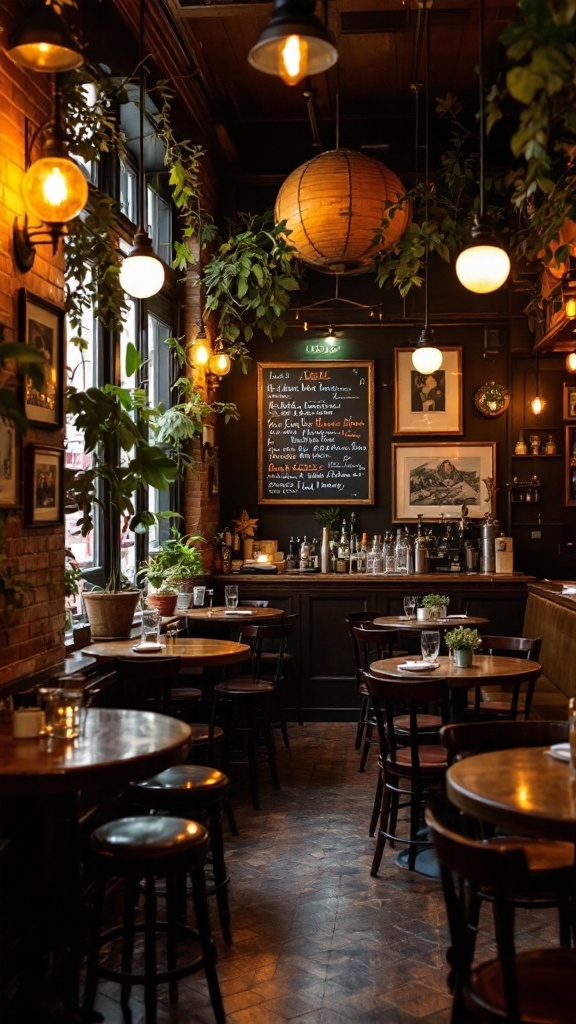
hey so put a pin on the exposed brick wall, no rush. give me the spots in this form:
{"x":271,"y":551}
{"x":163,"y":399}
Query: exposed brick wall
{"x":31,"y":638}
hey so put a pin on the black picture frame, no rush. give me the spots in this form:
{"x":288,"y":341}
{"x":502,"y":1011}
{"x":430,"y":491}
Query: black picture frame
{"x":41,"y":324}
{"x":44,"y":498}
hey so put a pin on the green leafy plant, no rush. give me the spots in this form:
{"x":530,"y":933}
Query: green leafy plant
{"x":177,"y":560}
{"x":248,"y":283}
{"x":435,"y":601}
{"x":72,"y":575}
{"x":463,"y":639}
{"x":326,"y":515}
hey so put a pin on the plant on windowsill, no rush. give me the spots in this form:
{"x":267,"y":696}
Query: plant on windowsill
{"x":176,"y":564}
{"x":463,"y":641}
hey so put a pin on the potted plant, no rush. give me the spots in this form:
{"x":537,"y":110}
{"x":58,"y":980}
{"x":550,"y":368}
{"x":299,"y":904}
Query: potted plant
{"x":176,"y":564}
{"x":463,"y":641}
{"x":436,"y":605}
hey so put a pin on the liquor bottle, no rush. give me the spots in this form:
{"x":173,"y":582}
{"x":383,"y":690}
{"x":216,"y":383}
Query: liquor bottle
{"x":325,"y":561}
{"x":389,"y":554}
{"x":362,"y":554}
{"x":305,"y":554}
{"x":374,"y":561}
{"x":401,"y":553}
{"x":315,"y":554}
{"x":343,"y":555}
{"x":353,"y":553}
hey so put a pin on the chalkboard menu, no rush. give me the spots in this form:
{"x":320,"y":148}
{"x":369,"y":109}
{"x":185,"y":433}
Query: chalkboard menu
{"x":316,"y":433}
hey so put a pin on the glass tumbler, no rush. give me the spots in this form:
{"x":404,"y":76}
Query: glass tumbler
{"x":231,"y":595}
{"x":409,"y":606}
{"x":429,"y":644}
{"x":150,"y":626}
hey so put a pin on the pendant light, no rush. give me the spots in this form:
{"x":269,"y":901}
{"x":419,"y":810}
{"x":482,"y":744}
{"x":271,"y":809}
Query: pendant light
{"x":219,"y":362}
{"x":484,"y":265}
{"x":294,"y":44}
{"x":42,"y":41}
{"x":426,"y":357}
{"x":142,"y":273}
{"x":537,"y":403}
{"x":571,"y":362}
{"x":200,"y":351}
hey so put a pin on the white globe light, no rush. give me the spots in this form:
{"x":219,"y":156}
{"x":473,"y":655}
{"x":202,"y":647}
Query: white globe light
{"x":426,"y":359}
{"x":571,"y":362}
{"x":141,"y":276}
{"x":483,"y":268}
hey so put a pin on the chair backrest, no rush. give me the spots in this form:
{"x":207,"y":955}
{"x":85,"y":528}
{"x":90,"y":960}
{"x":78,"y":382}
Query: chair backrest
{"x":147,"y":680}
{"x":259,"y":637}
{"x":373,"y":643}
{"x":467,"y":738}
{"x":391,"y":695}
{"x":516,"y":646}
{"x":500,"y":868}
{"x":354,"y":619}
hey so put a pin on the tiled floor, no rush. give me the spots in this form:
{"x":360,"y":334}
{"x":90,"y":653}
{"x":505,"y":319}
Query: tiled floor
{"x":316,"y":940}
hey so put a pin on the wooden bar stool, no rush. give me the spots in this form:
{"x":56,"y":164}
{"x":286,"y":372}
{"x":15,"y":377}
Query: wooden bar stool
{"x":192,"y":791}
{"x":147,"y":848}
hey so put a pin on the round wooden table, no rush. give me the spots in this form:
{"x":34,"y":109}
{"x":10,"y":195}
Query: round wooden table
{"x":195,"y":652}
{"x":524,"y":791}
{"x":227,"y":617}
{"x":40,"y":782}
{"x":414,"y":625}
{"x":485,"y":668}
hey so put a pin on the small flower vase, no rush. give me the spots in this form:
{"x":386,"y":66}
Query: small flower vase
{"x":423,"y":614}
{"x":463,"y":657}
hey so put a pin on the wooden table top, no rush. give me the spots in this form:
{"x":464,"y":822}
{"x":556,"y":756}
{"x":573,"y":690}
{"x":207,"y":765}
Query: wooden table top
{"x":417,"y":625}
{"x":118,"y":746}
{"x":195,"y":652}
{"x":218,"y":614}
{"x":523,"y":791}
{"x":485,"y":667}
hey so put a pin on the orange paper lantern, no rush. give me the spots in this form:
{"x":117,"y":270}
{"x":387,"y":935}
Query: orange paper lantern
{"x":334,"y":204}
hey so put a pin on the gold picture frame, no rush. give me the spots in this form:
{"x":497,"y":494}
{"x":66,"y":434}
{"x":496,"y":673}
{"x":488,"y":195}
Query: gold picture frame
{"x":435,"y":480}
{"x":428,"y":403}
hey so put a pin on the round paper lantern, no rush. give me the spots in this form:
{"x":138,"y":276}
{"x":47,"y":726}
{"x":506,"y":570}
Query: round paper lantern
{"x":333,"y":206}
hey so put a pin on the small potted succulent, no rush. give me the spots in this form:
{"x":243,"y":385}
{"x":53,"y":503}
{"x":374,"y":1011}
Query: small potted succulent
{"x":436,"y":605}
{"x":462,"y":642}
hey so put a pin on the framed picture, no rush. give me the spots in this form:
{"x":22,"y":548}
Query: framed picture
{"x":44,"y":485}
{"x":428,"y":403}
{"x":42,"y":325}
{"x":9,"y":466}
{"x":435,"y":480}
{"x":569,"y":403}
{"x":569,"y":465}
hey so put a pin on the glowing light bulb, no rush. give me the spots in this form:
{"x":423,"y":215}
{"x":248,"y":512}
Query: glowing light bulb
{"x":293,"y":59}
{"x":537,"y":405}
{"x":55,"y":189}
{"x":141,"y":276}
{"x":199,"y":353}
{"x":426,"y":359}
{"x":220,"y":364}
{"x":482,"y":268}
{"x":571,"y":362}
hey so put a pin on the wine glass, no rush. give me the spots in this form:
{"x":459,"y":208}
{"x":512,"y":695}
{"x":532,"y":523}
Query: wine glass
{"x":429,"y":644}
{"x":409,"y":606}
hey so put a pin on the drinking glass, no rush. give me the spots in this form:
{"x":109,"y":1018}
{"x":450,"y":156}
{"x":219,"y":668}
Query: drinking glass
{"x":150,"y":626}
{"x":409,"y":606}
{"x":231,"y":594}
{"x":429,"y":644}
{"x":199,"y":594}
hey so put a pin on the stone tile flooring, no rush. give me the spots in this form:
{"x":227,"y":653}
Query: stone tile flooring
{"x":316,"y":939}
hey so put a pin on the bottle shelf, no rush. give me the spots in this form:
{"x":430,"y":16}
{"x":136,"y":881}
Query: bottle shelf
{"x":548,"y":458}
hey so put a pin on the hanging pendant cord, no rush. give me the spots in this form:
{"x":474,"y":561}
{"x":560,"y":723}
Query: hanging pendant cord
{"x":481,"y":105}
{"x":426,"y":159}
{"x":142,"y":102}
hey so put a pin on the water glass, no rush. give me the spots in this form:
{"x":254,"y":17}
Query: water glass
{"x":429,"y":644}
{"x":199,"y":595}
{"x":409,"y":606}
{"x":231,"y":595}
{"x":150,"y":626}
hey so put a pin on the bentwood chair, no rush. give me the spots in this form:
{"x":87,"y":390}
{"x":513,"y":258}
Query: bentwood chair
{"x":550,"y":876}
{"x":354,"y":619}
{"x":533,"y":987}
{"x":409,"y":769}
{"x":493,"y":704}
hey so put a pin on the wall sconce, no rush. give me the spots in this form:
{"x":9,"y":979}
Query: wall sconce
{"x":42,"y":41}
{"x":571,"y":362}
{"x":200,"y":351}
{"x":294,"y":44}
{"x":219,"y":363}
{"x":54,"y":189}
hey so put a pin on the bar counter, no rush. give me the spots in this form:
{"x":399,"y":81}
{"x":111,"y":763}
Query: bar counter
{"x":323,"y":678}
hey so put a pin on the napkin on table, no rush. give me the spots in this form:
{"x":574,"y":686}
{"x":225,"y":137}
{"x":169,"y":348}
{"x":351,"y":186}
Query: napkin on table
{"x":237,"y":611}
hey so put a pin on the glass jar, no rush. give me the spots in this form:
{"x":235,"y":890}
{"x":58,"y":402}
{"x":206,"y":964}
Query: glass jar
{"x":521,"y":447}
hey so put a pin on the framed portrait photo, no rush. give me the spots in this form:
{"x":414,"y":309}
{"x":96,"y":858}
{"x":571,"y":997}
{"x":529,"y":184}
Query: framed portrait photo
{"x":44,"y":486}
{"x":428,"y":403}
{"x":41,"y":325}
{"x":569,"y":402}
{"x":9,"y":466}
{"x":435,"y":480}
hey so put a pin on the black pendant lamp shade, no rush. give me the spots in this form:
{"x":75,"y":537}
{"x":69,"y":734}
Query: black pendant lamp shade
{"x":42,"y":41}
{"x":294,"y":44}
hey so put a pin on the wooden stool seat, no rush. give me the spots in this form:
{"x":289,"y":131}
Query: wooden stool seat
{"x":194,"y":791}
{"x":545,"y":984}
{"x":146,"y":848}
{"x":245,"y":686}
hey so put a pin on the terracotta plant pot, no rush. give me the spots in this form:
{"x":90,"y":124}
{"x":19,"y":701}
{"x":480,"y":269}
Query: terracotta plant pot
{"x":165,"y":603}
{"x":110,"y":615}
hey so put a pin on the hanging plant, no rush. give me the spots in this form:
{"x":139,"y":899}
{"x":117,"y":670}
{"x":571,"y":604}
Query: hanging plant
{"x":248,"y":283}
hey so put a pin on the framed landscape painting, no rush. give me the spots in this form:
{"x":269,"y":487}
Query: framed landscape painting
{"x":435,"y":480}
{"x":428,"y":403}
{"x":41,"y":324}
